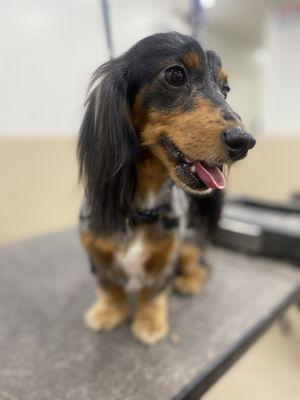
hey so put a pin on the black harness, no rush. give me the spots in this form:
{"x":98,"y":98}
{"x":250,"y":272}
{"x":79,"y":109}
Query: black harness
{"x":164,"y":215}
{"x":161,"y":213}
{"x":150,"y":216}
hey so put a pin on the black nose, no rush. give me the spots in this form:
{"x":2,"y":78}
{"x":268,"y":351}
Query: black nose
{"x":238,"y":142}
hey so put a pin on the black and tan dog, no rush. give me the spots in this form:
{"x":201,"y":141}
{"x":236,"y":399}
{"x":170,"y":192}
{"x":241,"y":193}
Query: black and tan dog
{"x":157,"y":131}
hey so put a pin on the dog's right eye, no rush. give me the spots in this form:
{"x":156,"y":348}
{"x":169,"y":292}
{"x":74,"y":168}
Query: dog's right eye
{"x":175,"y":75}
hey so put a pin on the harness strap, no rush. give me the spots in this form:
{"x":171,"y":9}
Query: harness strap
{"x":153,"y":215}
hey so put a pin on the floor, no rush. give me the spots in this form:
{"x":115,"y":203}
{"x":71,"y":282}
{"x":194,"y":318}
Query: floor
{"x":40,"y":193}
{"x":270,"y":370}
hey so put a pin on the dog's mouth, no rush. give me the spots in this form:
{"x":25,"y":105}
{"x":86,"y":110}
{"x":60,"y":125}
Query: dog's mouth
{"x":196,"y":174}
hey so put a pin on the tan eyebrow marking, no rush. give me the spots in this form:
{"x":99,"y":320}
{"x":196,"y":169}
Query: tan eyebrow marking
{"x":223,"y":74}
{"x":191,"y":60}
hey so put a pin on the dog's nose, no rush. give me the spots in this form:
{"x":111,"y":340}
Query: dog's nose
{"x":238,"y":142}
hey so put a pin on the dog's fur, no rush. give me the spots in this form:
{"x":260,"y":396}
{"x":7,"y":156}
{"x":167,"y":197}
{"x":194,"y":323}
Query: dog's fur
{"x":133,"y":220}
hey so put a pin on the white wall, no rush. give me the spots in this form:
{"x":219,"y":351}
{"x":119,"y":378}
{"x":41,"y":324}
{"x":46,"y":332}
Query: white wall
{"x":49,"y":48}
{"x":244,"y":76}
{"x":282,"y":77}
{"x":134,"y":19}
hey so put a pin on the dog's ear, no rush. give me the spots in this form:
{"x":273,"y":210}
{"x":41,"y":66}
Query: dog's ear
{"x":108,"y":147}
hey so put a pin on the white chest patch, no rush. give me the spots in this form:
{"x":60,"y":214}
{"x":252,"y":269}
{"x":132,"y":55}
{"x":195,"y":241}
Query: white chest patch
{"x":132,"y":262}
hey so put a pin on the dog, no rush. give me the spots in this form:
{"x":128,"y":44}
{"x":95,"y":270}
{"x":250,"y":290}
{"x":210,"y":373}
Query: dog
{"x":157,"y":135}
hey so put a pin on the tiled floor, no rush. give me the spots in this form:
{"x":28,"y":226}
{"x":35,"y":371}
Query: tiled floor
{"x":39,"y":193}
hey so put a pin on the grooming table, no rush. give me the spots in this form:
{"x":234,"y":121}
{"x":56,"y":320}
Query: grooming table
{"x":46,"y":353}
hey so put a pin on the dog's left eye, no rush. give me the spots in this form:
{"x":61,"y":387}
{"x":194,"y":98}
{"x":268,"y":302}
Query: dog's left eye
{"x":225,"y":89}
{"x":175,"y":76}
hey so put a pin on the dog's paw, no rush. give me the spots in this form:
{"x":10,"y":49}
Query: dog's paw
{"x":191,"y":283}
{"x":149,"y":330}
{"x":105,"y":317}
{"x":150,"y":324}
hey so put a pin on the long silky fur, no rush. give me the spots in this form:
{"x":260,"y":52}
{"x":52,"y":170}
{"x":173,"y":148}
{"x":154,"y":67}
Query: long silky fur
{"x":204,"y":212}
{"x":108,"y":145}
{"x":108,"y":148}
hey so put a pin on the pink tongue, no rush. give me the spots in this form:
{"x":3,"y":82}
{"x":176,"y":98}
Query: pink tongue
{"x":211,"y":176}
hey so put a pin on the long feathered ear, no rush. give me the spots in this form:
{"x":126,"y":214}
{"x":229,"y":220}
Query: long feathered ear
{"x":108,"y":148}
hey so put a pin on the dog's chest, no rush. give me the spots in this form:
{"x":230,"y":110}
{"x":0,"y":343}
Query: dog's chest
{"x":131,"y":262}
{"x":132,"y":259}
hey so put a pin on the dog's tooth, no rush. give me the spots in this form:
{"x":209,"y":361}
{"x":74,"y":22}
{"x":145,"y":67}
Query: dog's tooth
{"x":193,"y":168}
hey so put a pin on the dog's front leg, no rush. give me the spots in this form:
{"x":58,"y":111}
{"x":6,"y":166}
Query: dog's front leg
{"x":109,"y":311}
{"x":111,"y":308}
{"x":191,"y":273}
{"x":150,"y":324}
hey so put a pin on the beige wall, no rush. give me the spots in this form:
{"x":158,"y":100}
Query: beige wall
{"x":271,"y":170}
{"x":39,"y":190}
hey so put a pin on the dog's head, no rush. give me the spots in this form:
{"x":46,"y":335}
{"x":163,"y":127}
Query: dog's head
{"x":168,"y":95}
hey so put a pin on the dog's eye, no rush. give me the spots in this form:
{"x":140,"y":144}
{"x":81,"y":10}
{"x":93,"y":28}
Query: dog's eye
{"x":175,"y":76}
{"x":225,"y":89}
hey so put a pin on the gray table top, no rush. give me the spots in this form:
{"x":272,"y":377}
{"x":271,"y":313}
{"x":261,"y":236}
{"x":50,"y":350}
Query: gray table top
{"x":47,"y":353}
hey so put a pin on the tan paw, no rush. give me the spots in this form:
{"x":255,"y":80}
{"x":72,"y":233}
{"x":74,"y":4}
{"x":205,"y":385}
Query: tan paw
{"x":105,"y":317}
{"x":149,"y":331}
{"x":191,"y":283}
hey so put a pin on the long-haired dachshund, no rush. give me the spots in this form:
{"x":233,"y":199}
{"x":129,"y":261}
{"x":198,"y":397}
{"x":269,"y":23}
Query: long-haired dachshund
{"x":157,"y":131}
